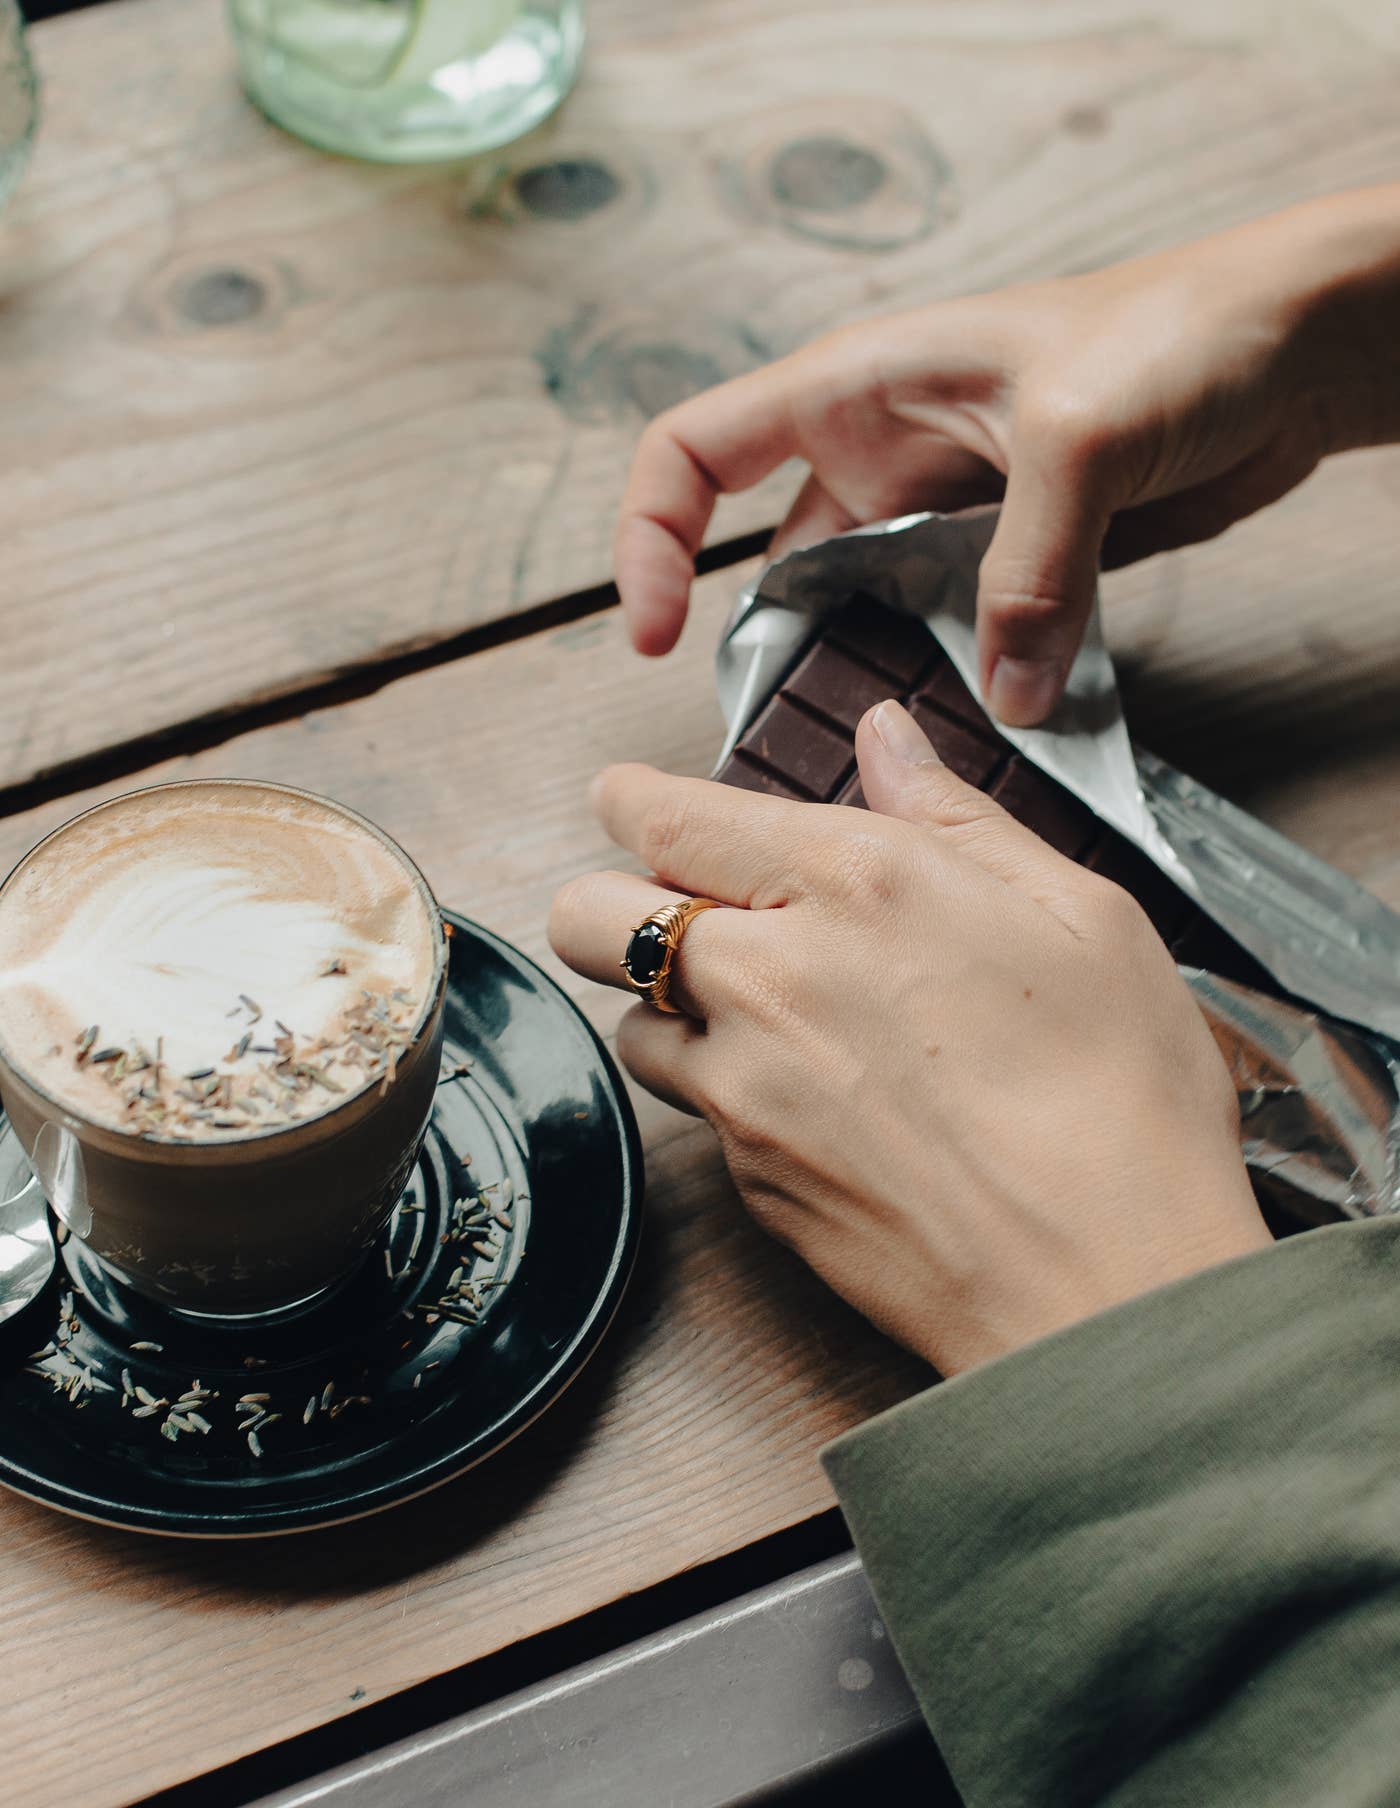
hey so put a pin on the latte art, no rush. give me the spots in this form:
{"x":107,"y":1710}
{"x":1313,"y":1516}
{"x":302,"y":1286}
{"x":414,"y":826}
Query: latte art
{"x":169,"y":950}
{"x":212,"y":959}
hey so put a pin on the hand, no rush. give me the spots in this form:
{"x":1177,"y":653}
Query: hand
{"x":1116,"y":414}
{"x":959,"y":1075}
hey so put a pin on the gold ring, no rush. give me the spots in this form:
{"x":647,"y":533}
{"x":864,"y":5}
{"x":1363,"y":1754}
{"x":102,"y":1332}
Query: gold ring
{"x":651,"y":949}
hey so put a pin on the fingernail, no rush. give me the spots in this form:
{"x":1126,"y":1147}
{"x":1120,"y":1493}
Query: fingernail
{"x":901,"y":737}
{"x":1022,"y":692}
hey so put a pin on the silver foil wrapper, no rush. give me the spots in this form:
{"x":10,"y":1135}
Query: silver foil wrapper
{"x":1317,"y":1080}
{"x":1319,"y":1103}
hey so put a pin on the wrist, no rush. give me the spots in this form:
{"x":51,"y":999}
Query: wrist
{"x":1333,"y":268}
{"x":1028,"y":1303}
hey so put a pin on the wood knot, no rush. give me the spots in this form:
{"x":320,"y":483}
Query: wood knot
{"x":1085,"y":122}
{"x":567,"y":190}
{"x":852,"y":171}
{"x":825,"y":174}
{"x":598,"y":368}
{"x":658,"y":376}
{"x":222,"y":297}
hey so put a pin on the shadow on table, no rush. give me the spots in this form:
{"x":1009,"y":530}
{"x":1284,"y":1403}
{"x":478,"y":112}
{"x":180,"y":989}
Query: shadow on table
{"x":416,"y":1535}
{"x":1236,"y":738}
{"x":696,"y":1231}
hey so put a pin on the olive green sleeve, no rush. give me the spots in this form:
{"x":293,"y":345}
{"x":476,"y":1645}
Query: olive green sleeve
{"x":1155,"y":1559}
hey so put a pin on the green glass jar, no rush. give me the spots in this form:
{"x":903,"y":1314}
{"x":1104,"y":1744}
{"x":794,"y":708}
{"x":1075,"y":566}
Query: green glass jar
{"x":407,"y":81}
{"x":19,"y":98}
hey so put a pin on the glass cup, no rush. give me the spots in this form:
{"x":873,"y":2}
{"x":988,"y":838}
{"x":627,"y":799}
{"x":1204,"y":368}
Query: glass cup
{"x":249,"y":1224}
{"x":19,"y":98}
{"x":407,"y":81}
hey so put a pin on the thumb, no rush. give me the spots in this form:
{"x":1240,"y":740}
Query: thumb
{"x":902,"y":776}
{"x":1036,"y":586}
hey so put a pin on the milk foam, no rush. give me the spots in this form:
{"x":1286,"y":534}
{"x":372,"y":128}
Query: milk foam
{"x":152,"y":917}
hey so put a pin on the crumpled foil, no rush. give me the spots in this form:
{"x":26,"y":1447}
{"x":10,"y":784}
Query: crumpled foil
{"x":1319,"y":1087}
{"x":1319,"y":1103}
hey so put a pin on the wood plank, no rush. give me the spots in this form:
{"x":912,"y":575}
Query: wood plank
{"x":696,"y":1430}
{"x":266,"y":414}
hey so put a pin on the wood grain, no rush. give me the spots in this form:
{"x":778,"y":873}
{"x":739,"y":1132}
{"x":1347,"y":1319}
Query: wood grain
{"x":696,"y":1429}
{"x":266,"y":414}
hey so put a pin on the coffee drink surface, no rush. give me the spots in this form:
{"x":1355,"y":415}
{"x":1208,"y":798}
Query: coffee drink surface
{"x":212,"y":960}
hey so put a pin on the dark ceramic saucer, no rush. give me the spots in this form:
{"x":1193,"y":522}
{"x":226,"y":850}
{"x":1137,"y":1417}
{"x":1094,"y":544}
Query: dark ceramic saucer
{"x":495,"y":1280}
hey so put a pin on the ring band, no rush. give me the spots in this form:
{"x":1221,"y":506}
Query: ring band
{"x":651,"y":949}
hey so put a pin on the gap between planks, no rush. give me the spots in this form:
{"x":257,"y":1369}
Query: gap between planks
{"x":348,"y":684}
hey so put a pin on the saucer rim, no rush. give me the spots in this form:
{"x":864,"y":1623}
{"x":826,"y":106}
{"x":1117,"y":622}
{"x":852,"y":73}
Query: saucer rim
{"x":593,"y":1326}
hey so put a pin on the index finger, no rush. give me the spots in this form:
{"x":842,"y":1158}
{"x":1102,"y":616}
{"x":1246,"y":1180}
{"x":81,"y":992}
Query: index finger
{"x":725,"y":439}
{"x":712,"y":840}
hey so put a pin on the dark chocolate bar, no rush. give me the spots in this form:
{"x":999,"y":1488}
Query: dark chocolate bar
{"x":800,"y":746}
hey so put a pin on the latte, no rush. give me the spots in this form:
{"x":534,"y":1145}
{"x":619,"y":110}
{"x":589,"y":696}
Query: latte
{"x":210,"y":960}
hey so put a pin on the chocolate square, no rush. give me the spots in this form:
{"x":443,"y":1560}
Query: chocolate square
{"x":897,"y":645}
{"x":972,"y":756}
{"x":812,"y":756}
{"x":1055,"y":814}
{"x":944,"y":691}
{"x":834,"y":686}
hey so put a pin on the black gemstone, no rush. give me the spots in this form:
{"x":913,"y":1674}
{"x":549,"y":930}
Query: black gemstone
{"x":645,"y":954}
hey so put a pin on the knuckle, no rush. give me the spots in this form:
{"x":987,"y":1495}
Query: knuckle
{"x":1022,"y":589}
{"x":662,"y":430}
{"x":1019,"y":595}
{"x":631,"y":1034}
{"x":966,"y":811}
{"x":569,"y":906}
{"x":1114,"y":915}
{"x":707,"y":1090}
{"x":866,"y":867}
{"x":990,"y":838}
{"x":765,"y":1044}
{"x":767,"y":988}
{"x":831,"y":351}
{"x":730,"y":1101}
{"x":1070,"y":420}
{"x":666,"y":830}
{"x":770,"y":1208}
{"x":636,"y":1040}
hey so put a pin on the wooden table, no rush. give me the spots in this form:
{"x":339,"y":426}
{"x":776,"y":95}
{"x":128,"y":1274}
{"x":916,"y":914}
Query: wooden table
{"x":307,"y":471}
